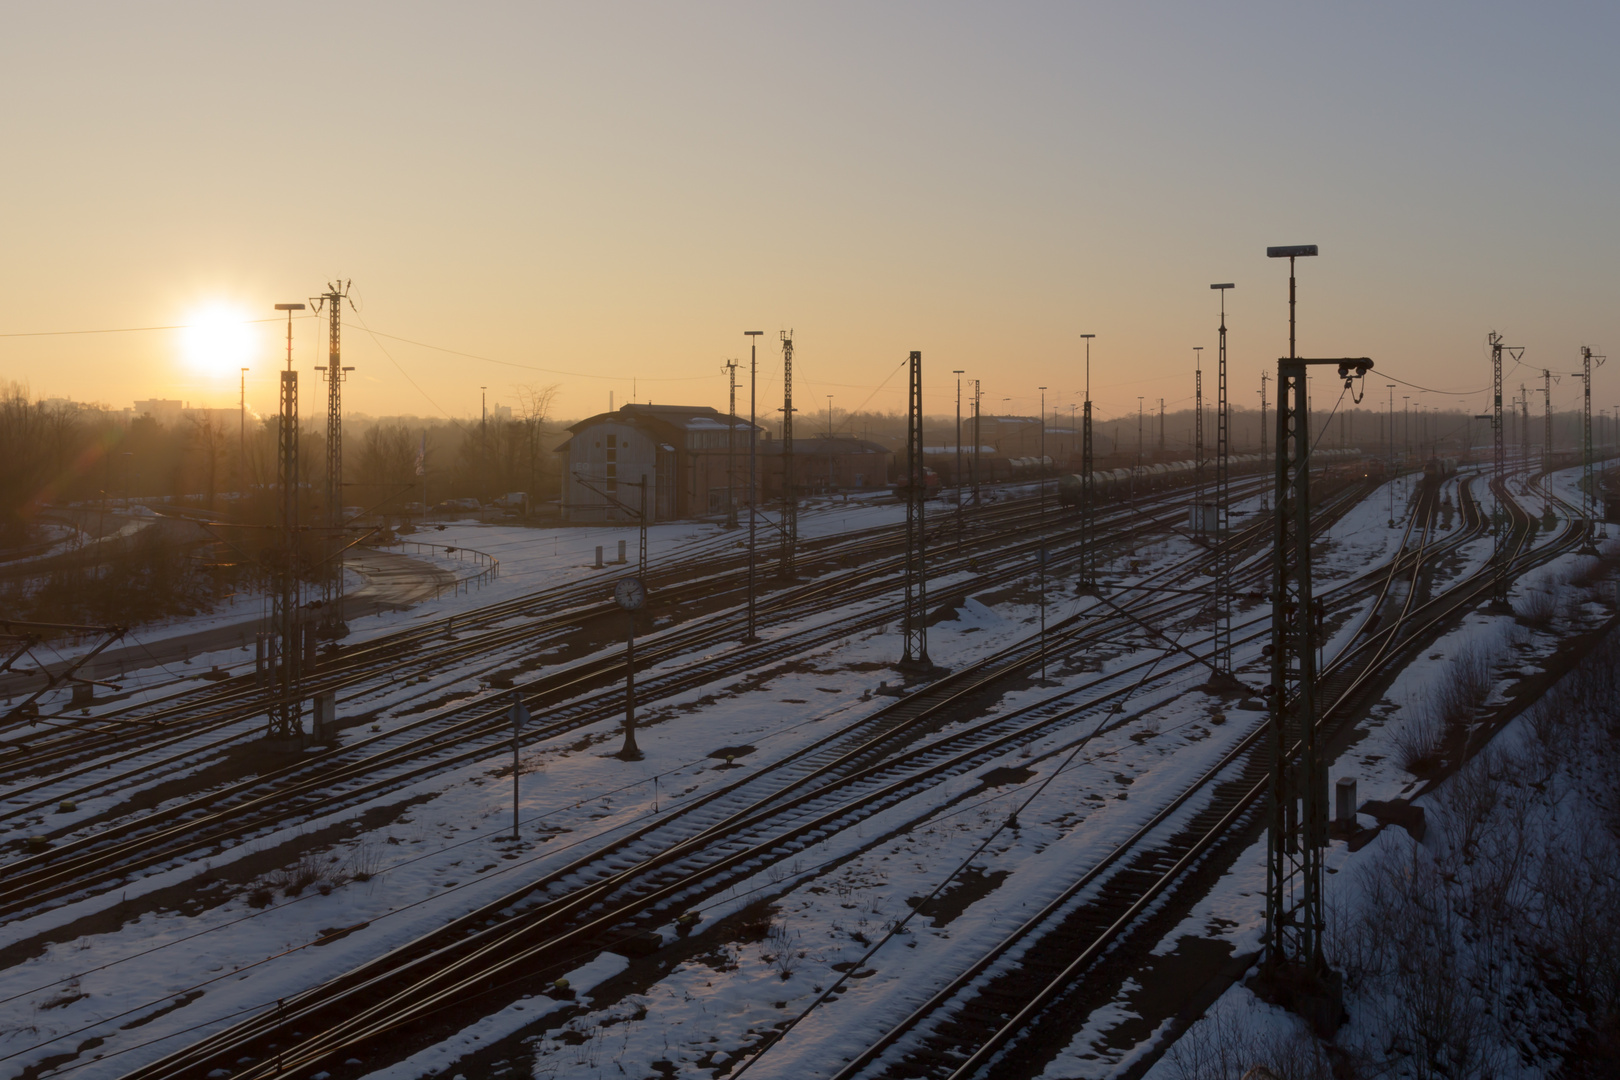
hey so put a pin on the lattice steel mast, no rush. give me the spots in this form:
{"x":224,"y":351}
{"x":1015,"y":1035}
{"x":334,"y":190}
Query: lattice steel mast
{"x":731,"y":449}
{"x":1297,"y":802}
{"x":336,"y":374}
{"x":790,"y":502}
{"x":286,"y":660}
{"x":1198,"y":439}
{"x":1499,"y":519}
{"x":914,"y":620}
{"x":1588,"y":480}
{"x":1546,"y":445}
{"x":1088,"y":491}
{"x":1222,"y":657}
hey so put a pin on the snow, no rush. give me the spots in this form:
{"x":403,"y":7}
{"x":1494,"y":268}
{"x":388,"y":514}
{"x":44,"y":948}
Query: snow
{"x":443,"y":850}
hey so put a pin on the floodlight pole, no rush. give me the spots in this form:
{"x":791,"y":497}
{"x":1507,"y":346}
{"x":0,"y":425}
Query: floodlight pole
{"x":1297,"y":794}
{"x":753,"y":474}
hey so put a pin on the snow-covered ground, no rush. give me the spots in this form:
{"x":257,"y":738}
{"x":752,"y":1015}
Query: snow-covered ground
{"x":140,"y":968}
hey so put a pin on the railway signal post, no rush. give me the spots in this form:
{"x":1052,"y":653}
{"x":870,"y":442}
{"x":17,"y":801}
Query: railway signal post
{"x":520,"y":716}
{"x":631,"y":595}
{"x":1295,"y":964}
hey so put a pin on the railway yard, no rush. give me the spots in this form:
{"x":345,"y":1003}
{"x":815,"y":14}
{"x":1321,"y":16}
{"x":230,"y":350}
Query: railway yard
{"x":1040,"y":858}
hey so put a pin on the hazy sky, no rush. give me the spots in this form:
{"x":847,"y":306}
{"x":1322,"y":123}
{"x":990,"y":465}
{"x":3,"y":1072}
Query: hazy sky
{"x":616,"y":192}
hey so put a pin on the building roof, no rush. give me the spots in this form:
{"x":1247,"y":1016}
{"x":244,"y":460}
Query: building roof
{"x":678,"y":417}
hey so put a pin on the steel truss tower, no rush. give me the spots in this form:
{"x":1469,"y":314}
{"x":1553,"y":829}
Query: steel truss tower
{"x":914,"y":620}
{"x":286,"y":661}
{"x":332,"y":624}
{"x":1222,"y":657}
{"x":1524,"y":425}
{"x":1297,"y":797}
{"x":1088,"y":490}
{"x":1588,"y":479}
{"x":1198,"y":439}
{"x":790,"y":501}
{"x":1546,"y":445}
{"x":1499,"y":519}
{"x":731,"y":449}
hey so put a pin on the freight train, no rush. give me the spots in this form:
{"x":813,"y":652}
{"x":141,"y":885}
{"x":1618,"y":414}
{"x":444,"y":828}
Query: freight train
{"x":1118,"y":483}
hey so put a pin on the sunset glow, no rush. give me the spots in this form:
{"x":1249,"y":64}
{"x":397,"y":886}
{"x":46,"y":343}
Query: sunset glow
{"x":217,"y":341}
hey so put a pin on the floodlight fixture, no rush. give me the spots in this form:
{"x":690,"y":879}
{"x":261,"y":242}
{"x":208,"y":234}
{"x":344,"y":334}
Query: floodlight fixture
{"x":1226,"y":285}
{"x":289,"y":307}
{"x":1291,"y":251}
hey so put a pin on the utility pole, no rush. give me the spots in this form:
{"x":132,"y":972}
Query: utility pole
{"x":241,"y":437}
{"x":1138,"y":470}
{"x":1297,"y":831}
{"x":960,"y":524}
{"x":1588,"y":481}
{"x":790,"y":503}
{"x":1499,"y":521}
{"x":753,"y":479}
{"x":332,"y":624}
{"x":1198,"y":438}
{"x":1391,"y":476}
{"x":915,"y":617}
{"x":978,"y":396}
{"x":1161,"y":429}
{"x":1547,"y":518}
{"x":1223,"y":555}
{"x":286,"y":710}
{"x":731,"y":448}
{"x":1264,"y":376}
{"x":1088,"y":542}
{"x":1524,"y":426}
{"x":1040,"y":551}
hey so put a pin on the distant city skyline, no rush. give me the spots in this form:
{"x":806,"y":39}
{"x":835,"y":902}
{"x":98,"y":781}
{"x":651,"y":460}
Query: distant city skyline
{"x":606,"y":199}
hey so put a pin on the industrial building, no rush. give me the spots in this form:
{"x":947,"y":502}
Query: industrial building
{"x":681,"y":452}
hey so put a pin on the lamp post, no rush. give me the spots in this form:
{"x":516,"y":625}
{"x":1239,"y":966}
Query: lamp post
{"x":753,"y":481}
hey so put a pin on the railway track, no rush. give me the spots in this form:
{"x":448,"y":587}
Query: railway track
{"x":1017,"y":1004}
{"x":372,"y":767}
{"x":886,"y":759}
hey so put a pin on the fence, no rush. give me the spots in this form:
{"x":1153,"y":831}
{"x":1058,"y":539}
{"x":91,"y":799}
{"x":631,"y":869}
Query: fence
{"x":490,"y":564}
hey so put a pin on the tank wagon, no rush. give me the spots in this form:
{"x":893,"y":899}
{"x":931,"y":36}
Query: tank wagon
{"x":1112,"y":484}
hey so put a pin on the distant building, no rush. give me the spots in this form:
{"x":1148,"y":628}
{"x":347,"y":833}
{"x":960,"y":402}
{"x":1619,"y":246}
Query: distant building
{"x":824,"y":465}
{"x":162,"y":410}
{"x":679,"y":451}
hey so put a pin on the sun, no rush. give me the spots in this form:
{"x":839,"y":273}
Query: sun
{"x":218,"y":340}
